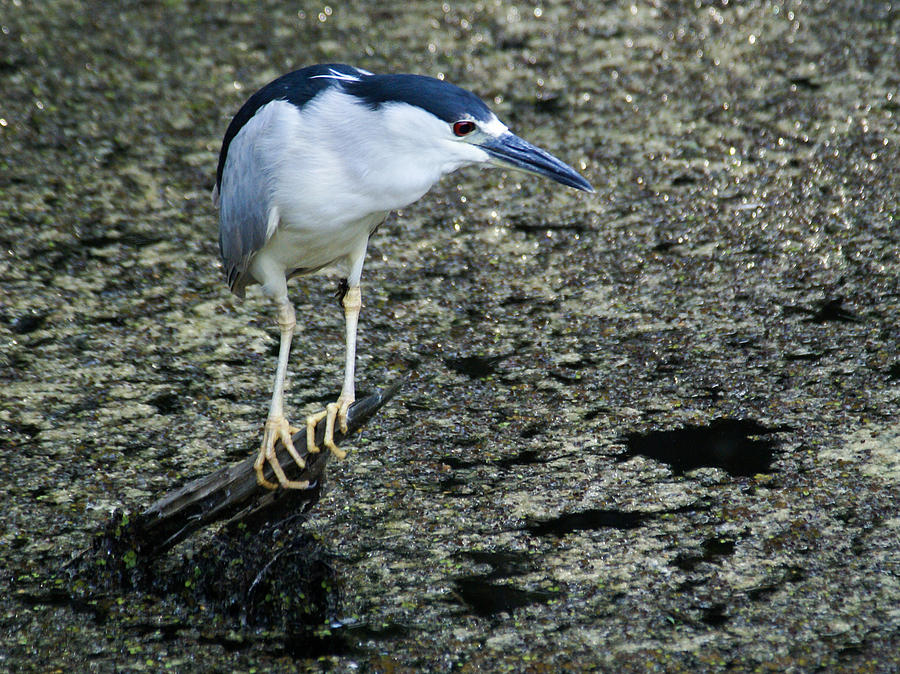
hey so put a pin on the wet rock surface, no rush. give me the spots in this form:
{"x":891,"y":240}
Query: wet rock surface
{"x":653,"y":428}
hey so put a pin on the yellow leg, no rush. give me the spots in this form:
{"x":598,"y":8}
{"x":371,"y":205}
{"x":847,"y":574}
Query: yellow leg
{"x":277,"y":427}
{"x":337,"y":411}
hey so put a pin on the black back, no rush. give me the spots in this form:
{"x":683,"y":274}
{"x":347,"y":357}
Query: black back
{"x":298,"y":87}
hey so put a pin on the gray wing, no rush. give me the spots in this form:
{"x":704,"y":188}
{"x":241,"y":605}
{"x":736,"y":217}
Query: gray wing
{"x":244,"y":201}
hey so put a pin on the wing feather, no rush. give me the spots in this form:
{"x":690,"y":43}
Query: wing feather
{"x":247,"y":218}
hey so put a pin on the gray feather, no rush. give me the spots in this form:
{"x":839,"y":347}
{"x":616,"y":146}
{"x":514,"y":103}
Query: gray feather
{"x":244,"y":200}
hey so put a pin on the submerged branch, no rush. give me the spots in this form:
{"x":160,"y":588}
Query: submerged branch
{"x":232,"y":493}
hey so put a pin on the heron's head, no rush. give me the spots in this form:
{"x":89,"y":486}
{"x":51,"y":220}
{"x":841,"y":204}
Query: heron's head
{"x":430,"y":120}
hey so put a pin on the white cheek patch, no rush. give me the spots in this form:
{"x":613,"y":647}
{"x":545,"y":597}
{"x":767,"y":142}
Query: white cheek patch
{"x":494,"y":127}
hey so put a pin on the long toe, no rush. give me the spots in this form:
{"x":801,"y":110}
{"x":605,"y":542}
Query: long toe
{"x":258,"y":468}
{"x":331,"y":412}
{"x":285,"y":434}
{"x":278,"y":429}
{"x":342,"y":414}
{"x":311,"y":422}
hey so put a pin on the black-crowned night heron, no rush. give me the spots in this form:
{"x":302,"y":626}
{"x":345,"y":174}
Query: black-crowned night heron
{"x":312,"y":164}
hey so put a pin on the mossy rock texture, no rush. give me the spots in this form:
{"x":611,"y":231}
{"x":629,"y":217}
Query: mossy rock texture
{"x":651,"y":429}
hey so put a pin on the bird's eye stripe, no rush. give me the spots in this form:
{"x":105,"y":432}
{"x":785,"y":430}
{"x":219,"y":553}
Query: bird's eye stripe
{"x":463,"y":127}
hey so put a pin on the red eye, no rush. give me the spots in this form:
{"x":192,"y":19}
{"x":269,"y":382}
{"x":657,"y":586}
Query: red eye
{"x":463,"y":128}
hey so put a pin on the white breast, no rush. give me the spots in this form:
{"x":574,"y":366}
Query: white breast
{"x":335,"y":168}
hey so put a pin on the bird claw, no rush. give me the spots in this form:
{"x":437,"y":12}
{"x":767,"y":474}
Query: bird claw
{"x":332,"y":412}
{"x":343,"y":409}
{"x":278,"y":428}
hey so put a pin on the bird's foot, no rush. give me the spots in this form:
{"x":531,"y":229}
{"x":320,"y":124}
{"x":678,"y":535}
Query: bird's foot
{"x":278,"y":428}
{"x":332,"y":412}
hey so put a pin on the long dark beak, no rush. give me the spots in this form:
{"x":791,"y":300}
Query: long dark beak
{"x":510,"y":150}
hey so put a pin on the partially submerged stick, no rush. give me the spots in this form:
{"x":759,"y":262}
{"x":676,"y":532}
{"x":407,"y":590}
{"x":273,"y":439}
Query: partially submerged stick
{"x":233,"y":494}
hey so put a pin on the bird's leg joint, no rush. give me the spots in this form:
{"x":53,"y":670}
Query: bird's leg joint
{"x":352,"y":300}
{"x":287,"y":319}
